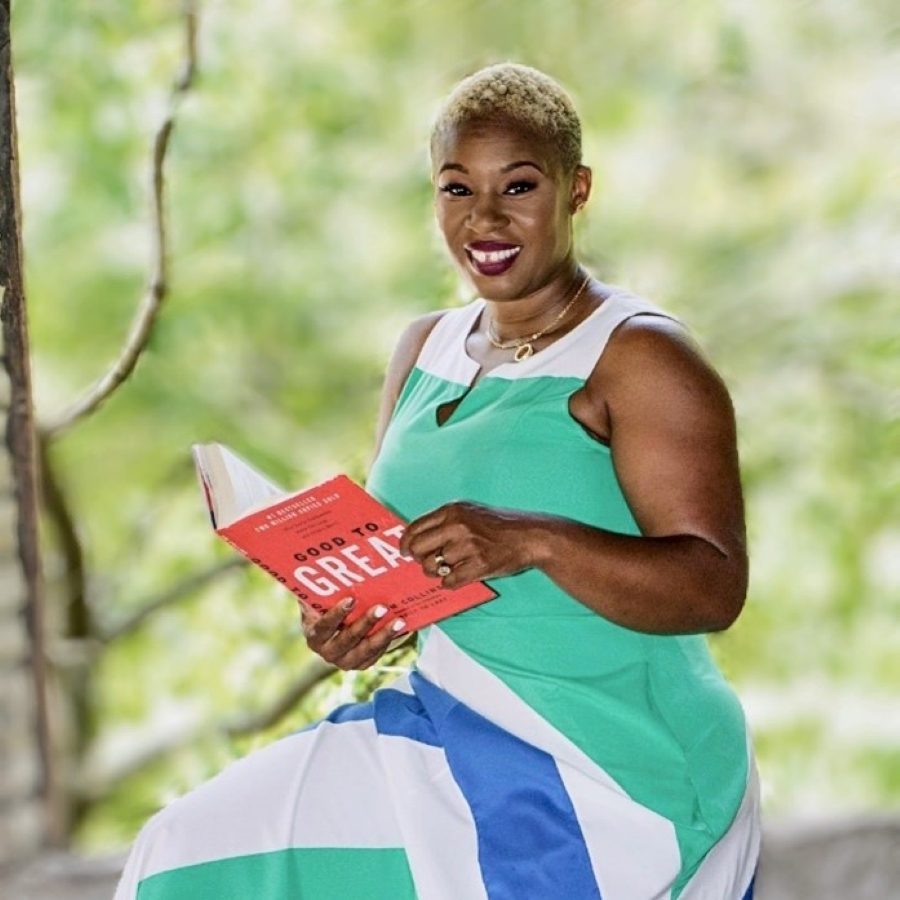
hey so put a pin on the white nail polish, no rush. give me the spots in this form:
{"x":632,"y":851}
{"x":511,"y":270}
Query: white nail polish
{"x":380,"y":612}
{"x":399,"y":625}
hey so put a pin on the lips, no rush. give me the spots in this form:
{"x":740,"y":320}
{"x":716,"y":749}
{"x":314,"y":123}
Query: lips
{"x":492,"y":257}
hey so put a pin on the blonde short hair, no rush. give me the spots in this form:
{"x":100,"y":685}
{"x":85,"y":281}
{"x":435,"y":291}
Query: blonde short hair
{"x":519,"y":94}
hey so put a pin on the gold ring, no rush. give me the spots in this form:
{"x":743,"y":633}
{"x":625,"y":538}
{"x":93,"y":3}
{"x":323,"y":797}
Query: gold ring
{"x":443,"y":567}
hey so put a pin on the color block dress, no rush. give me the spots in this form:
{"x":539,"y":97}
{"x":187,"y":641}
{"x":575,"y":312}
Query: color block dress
{"x":536,"y":751}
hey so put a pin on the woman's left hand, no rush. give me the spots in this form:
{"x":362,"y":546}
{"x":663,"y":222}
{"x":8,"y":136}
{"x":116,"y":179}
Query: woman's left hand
{"x":476,"y":541}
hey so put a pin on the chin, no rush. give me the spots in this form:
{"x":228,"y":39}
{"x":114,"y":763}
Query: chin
{"x":492,"y":287}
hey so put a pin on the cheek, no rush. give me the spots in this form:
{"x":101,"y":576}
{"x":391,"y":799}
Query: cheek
{"x":558,"y":220}
{"x":546,"y":220}
{"x":447,"y":218}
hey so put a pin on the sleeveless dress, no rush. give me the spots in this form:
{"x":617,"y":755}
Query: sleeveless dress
{"x":537,"y":751}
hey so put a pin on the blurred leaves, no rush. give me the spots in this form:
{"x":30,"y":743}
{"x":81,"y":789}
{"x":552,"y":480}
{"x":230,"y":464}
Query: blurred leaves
{"x":745,"y":168}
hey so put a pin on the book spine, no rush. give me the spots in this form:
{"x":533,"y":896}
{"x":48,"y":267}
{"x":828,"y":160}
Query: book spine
{"x":260,"y":564}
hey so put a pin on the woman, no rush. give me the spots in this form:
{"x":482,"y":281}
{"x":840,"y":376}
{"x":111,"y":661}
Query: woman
{"x":565,"y":440}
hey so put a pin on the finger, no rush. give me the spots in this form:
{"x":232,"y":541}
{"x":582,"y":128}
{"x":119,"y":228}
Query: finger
{"x":346,"y":639}
{"x":463,"y":572}
{"x":436,"y":564}
{"x":428,"y":542}
{"x":417,"y":526}
{"x":323,"y":629}
{"x":371,"y":648}
{"x":307,"y":618}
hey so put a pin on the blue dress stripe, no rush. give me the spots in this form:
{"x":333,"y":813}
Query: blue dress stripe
{"x":394,"y":713}
{"x":530,"y":844}
{"x":749,"y":894}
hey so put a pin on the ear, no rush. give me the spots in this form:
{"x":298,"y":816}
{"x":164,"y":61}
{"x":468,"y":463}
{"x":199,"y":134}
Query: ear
{"x":581,"y":188}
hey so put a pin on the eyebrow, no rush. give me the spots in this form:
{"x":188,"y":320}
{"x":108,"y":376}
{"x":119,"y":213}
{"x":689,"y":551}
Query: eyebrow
{"x":458,"y":167}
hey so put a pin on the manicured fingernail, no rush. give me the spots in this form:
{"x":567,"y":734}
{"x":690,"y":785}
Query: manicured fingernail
{"x":348,"y":603}
{"x":379,"y":612}
{"x":399,"y":625}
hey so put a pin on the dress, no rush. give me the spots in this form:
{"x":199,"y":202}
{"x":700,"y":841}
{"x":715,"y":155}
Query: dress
{"x":536,"y":751}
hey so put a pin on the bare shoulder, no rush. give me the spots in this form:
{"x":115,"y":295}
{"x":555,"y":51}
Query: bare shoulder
{"x":406,"y":352}
{"x":412,"y":339}
{"x":650,"y":353}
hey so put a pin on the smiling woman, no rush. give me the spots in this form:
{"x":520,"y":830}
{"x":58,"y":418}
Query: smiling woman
{"x":506,"y":150}
{"x":565,"y":440}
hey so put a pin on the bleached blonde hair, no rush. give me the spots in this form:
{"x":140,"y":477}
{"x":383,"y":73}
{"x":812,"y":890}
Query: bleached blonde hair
{"x":519,"y":94}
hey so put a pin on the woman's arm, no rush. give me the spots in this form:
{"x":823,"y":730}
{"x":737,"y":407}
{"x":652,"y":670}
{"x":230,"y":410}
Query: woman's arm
{"x":672,"y":437}
{"x":402,"y":361}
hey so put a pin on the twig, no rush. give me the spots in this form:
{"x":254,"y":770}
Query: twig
{"x":168,"y":597}
{"x":157,"y":289}
{"x":313,"y":672}
{"x":137,"y":533}
{"x":93,"y":783}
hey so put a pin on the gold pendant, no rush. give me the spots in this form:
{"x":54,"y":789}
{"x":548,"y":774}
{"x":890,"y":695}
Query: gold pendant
{"x":523,"y":351}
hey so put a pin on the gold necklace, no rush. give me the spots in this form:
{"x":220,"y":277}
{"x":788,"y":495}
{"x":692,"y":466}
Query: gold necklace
{"x":524,"y":345}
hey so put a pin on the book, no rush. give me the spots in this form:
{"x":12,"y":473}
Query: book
{"x":325,"y":542}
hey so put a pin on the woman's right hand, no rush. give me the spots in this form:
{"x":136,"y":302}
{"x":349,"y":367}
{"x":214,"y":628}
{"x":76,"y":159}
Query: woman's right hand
{"x":349,"y":646}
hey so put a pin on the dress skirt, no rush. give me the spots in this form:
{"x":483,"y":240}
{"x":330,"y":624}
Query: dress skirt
{"x":417,"y":794}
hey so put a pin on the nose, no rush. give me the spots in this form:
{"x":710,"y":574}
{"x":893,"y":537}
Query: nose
{"x":486,"y":214}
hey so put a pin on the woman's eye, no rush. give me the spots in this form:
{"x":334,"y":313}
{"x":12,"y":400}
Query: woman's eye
{"x":455,"y":189}
{"x":520,"y":187}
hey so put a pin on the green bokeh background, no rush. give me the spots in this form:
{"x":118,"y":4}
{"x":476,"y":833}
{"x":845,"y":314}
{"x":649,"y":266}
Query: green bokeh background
{"x":745,"y":160}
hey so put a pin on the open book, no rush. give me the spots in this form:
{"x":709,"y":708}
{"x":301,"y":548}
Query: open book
{"x":325,"y":542}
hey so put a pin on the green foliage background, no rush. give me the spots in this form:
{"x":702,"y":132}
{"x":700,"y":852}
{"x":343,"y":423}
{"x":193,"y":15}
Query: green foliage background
{"x":745,"y":165}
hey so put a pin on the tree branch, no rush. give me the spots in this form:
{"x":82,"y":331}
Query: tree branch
{"x":78,"y":618}
{"x":315,"y":671}
{"x":94,"y":783}
{"x":168,"y":597}
{"x":157,"y":289}
{"x":138,"y":532}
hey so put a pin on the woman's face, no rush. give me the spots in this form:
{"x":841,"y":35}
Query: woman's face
{"x":504,"y":205}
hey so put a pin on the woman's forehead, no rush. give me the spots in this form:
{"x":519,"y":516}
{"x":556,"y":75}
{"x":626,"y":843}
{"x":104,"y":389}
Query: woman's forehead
{"x":491,"y":144}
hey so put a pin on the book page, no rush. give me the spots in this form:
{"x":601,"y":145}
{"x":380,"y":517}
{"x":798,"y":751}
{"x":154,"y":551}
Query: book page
{"x":237,"y":488}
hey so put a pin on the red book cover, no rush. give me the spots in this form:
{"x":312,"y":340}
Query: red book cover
{"x":336,"y":540}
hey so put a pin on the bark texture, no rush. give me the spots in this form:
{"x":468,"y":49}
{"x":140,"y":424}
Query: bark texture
{"x":27,"y":787}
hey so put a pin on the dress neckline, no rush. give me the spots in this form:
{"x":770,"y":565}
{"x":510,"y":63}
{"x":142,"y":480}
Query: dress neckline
{"x":480,"y":304}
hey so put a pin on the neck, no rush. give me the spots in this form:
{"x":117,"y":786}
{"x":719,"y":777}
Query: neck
{"x":532,"y":312}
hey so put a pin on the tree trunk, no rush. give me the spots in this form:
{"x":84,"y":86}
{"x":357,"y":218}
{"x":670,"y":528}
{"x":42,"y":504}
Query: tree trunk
{"x":27,"y":789}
